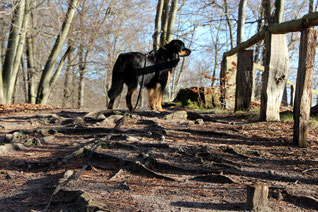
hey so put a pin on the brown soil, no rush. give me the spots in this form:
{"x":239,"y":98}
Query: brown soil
{"x":154,"y":162}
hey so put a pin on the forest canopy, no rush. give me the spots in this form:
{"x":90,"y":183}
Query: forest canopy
{"x":97,"y":31}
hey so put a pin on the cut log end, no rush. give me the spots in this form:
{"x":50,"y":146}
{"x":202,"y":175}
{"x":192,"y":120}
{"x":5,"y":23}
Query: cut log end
{"x":257,"y":197}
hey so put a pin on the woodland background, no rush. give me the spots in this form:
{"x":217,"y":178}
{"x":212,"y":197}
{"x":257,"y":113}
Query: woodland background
{"x":101,"y":29}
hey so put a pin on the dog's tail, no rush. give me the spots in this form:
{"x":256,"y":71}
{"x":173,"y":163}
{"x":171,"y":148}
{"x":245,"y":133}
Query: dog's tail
{"x":117,"y":78}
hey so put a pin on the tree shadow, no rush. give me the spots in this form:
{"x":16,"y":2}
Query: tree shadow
{"x":210,"y":206}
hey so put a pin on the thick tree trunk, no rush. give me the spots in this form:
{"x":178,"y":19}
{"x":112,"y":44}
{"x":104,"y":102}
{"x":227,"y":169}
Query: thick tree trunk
{"x":157,"y":24}
{"x":244,"y":80}
{"x":227,"y":82}
{"x":44,"y":85}
{"x":275,"y":76}
{"x":302,"y":104}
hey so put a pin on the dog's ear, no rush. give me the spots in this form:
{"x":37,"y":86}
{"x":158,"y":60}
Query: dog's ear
{"x":175,"y":46}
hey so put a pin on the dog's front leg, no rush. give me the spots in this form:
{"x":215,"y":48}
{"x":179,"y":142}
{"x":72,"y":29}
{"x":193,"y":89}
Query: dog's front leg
{"x":152,"y":97}
{"x":159,"y":102}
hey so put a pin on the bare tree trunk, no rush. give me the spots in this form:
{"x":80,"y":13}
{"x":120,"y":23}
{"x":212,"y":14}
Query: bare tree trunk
{"x":8,"y":78}
{"x":66,"y":92}
{"x":44,"y":85}
{"x":311,"y":6}
{"x":266,"y":4}
{"x":279,"y":11}
{"x":157,"y":24}
{"x":302,"y":103}
{"x":241,"y":21}
{"x":83,"y":56}
{"x":172,"y":19}
{"x":164,"y":22}
{"x":30,"y":55}
{"x":226,"y":13}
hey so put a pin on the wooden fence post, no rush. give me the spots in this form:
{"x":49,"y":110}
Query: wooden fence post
{"x":227,"y":81}
{"x":257,"y":197}
{"x":302,"y":103}
{"x":275,"y":76}
{"x":244,"y":80}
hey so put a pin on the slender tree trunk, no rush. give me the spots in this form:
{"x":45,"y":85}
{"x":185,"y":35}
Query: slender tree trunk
{"x":157,"y":24}
{"x":83,"y":56}
{"x":266,"y":4}
{"x":8,"y":80}
{"x":241,"y":21}
{"x":227,"y":17}
{"x":30,"y":55}
{"x":311,"y":6}
{"x":164,"y":22}
{"x":44,"y":85}
{"x":279,"y":11}
{"x":66,"y":93}
{"x":172,"y":19}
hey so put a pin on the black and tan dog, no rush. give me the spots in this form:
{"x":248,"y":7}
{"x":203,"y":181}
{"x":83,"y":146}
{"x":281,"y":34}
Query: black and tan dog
{"x":152,"y":70}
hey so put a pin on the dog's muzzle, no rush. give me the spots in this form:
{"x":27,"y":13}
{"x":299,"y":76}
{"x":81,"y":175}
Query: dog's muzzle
{"x":185,"y":52}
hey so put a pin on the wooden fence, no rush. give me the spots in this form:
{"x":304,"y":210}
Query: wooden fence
{"x":275,"y":74}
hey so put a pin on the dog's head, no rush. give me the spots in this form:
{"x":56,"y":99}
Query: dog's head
{"x":177,"y":46}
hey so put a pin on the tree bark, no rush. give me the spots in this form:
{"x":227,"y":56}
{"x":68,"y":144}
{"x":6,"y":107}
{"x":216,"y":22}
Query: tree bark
{"x":7,"y":79}
{"x":30,"y":56}
{"x":19,"y":52}
{"x":67,"y":76}
{"x":83,"y":56}
{"x":292,"y":95}
{"x":241,"y":21}
{"x":266,"y":4}
{"x":279,"y":11}
{"x":244,"y":80}
{"x":227,"y":82}
{"x":302,"y":104}
{"x":274,"y":77}
{"x":227,"y":17}
{"x":172,"y":19}
{"x":164,"y":22}
{"x":157,"y":25}
{"x":44,"y":85}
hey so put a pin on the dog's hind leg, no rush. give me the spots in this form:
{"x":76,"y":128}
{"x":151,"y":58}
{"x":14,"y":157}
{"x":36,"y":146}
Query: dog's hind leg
{"x":130,"y":93}
{"x":114,"y":91}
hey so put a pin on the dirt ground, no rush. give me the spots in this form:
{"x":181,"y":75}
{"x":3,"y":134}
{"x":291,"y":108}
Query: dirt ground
{"x":171,"y":161}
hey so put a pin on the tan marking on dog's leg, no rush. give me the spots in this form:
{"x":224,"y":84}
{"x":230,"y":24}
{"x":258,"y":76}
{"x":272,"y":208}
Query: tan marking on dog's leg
{"x":151,"y":92}
{"x":158,"y":95}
